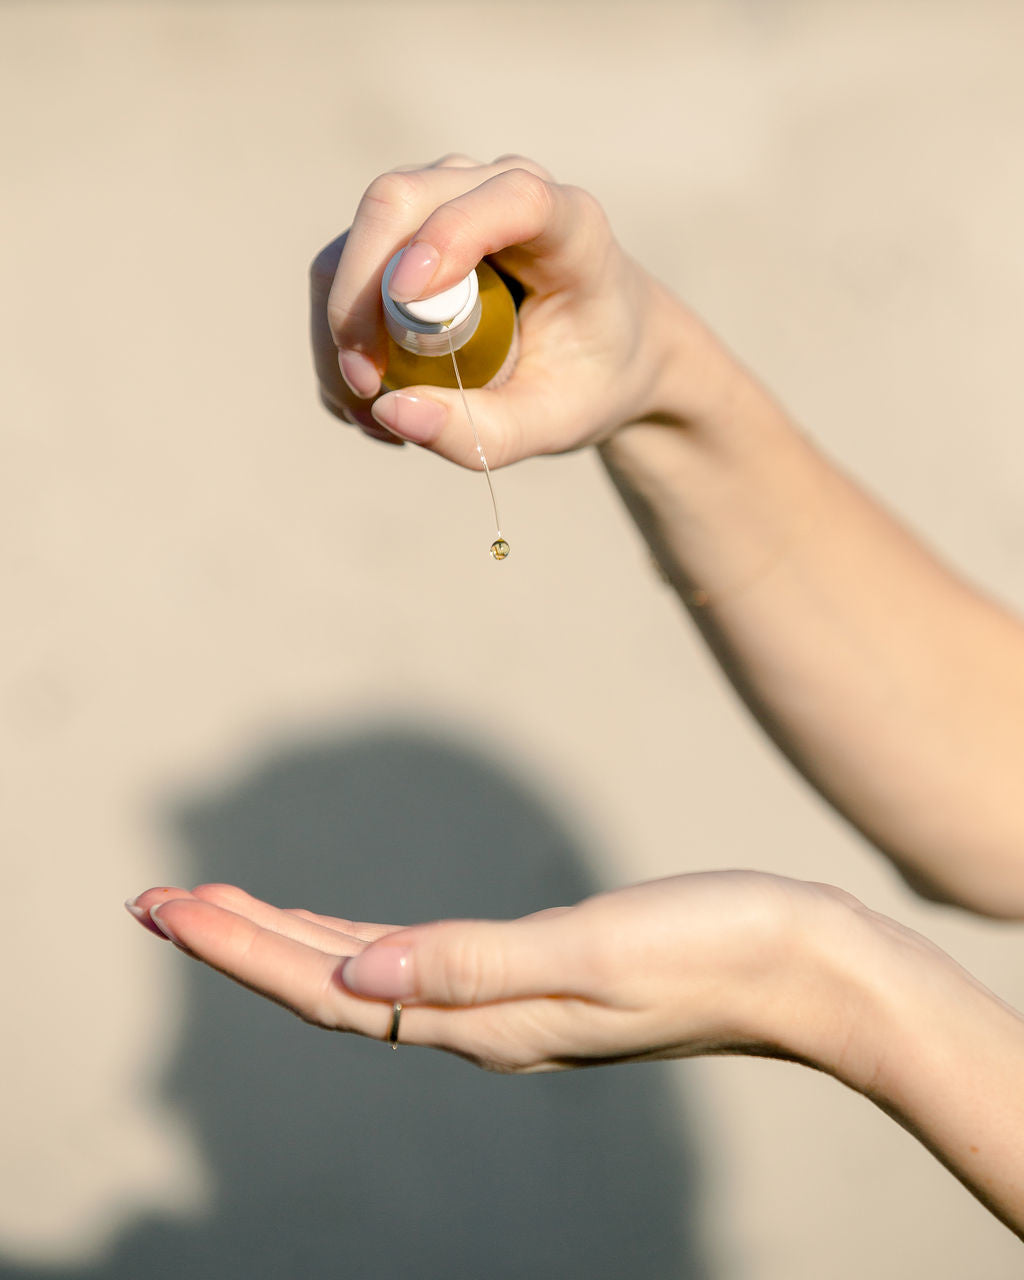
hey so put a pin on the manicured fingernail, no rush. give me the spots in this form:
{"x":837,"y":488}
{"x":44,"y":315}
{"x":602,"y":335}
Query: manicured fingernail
{"x":360,"y":373}
{"x":380,"y":972}
{"x":165,"y":929}
{"x":412,"y":417}
{"x":415,"y":270}
{"x":142,"y":915}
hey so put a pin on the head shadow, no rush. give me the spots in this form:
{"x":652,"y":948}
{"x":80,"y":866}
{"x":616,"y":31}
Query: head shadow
{"x":333,"y":1156}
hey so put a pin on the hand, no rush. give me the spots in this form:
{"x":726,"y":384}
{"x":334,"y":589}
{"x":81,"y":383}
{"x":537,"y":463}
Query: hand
{"x":693,"y":964}
{"x":597,"y":333}
{"x":716,"y":963}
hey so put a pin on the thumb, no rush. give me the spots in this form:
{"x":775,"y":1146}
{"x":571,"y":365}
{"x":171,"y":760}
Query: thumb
{"x":528,"y":415}
{"x":468,"y":962}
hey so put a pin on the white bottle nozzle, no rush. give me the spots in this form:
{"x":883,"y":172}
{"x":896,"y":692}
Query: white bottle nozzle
{"x":448,"y":308}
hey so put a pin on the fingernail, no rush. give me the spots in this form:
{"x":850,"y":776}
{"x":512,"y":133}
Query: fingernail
{"x":360,"y":373}
{"x":165,"y":929}
{"x":412,"y":417}
{"x":382,"y":972}
{"x":142,"y":915}
{"x":415,"y":270}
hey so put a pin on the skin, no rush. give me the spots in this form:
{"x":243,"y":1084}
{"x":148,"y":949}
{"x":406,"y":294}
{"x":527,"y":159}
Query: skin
{"x":893,"y":686}
{"x":722,"y":962}
{"x":896,"y":688}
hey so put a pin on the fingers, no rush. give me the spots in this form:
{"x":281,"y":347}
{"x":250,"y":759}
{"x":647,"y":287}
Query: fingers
{"x":336,"y":395}
{"x":294,"y":922}
{"x":140,"y":908}
{"x":517,"y":210}
{"x":286,"y":961}
{"x":331,"y":933}
{"x":336,"y":938}
{"x":471,"y":962}
{"x":448,"y":217}
{"x":527,"y":416}
{"x":364,"y":930}
{"x":289,"y":956}
{"x":288,"y":971}
{"x":391,"y":211}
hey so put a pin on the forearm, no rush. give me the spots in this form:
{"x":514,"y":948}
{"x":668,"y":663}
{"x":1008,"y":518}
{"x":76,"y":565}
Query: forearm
{"x":895,"y":689}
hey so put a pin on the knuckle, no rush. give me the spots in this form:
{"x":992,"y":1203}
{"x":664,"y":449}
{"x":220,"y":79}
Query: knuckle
{"x":347,"y":323}
{"x":452,"y":226}
{"x":321,"y":1009}
{"x":463,"y":969}
{"x":390,"y":193}
{"x":587,"y":206}
{"x":532,"y":189}
{"x":337,"y":319}
{"x":512,"y":160}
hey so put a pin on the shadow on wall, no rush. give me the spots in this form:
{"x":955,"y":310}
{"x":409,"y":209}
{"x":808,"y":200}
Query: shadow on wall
{"x":333,"y":1156}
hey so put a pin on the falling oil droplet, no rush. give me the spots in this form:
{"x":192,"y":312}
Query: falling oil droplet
{"x":500,"y":548}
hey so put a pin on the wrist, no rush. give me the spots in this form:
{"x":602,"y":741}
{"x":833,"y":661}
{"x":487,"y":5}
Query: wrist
{"x":685,"y":376}
{"x":719,"y":480}
{"x":692,"y":410}
{"x":873,"y":1003}
{"x":938,"y":1052}
{"x":831,"y":1006}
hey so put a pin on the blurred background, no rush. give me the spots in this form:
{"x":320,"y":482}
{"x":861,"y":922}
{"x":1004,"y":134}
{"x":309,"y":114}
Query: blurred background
{"x":242,"y":642}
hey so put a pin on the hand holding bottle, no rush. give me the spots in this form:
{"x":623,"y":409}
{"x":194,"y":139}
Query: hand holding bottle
{"x":600,"y":338}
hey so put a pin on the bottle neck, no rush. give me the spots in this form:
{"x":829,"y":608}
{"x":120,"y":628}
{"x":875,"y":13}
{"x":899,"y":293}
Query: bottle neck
{"x":428,"y":338}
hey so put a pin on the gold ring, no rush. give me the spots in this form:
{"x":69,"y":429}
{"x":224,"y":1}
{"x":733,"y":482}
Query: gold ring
{"x":396,"y":1017}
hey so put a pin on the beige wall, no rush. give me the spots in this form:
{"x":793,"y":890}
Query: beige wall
{"x":240,"y":642}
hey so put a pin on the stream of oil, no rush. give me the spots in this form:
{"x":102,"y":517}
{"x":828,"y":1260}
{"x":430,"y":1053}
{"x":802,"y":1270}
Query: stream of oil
{"x":499,"y":547}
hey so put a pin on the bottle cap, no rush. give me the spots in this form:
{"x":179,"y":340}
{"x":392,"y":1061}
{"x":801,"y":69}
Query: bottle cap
{"x":449,"y":308}
{"x":425,"y":325}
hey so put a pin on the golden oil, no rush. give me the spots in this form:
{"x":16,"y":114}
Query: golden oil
{"x":482,"y":326}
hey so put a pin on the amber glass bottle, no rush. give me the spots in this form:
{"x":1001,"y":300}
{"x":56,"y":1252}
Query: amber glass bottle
{"x":478,"y":317}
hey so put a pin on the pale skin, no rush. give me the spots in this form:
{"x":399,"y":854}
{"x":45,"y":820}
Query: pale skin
{"x":895,"y":688}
